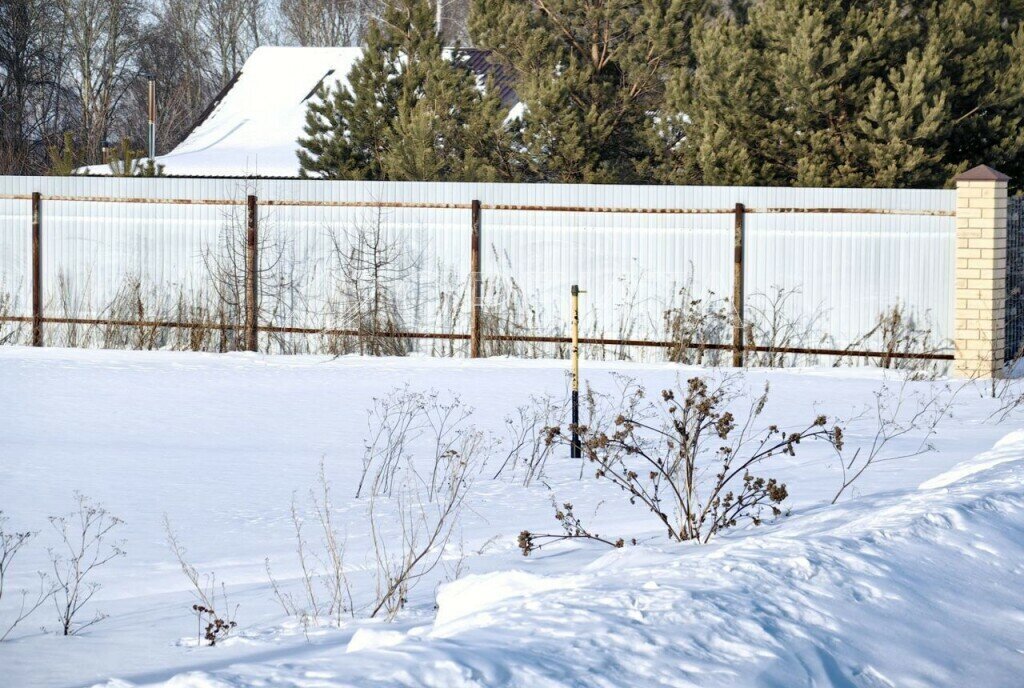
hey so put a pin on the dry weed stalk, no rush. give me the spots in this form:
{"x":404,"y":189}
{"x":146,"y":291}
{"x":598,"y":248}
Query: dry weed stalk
{"x":527,"y":448}
{"x":325,"y":586}
{"x":11,"y":542}
{"x":771,"y":328}
{"x":901,"y":341}
{"x":85,"y":546}
{"x":419,"y":466}
{"x":220,"y":617}
{"x":896,"y":415}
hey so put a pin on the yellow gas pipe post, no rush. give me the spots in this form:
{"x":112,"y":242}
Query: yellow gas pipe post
{"x":576,"y":451}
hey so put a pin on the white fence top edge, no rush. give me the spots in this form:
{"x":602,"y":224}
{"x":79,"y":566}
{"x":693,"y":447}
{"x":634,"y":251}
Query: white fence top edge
{"x":582,"y":197}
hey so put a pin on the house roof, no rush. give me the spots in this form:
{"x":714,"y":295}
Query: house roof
{"x":251,"y":127}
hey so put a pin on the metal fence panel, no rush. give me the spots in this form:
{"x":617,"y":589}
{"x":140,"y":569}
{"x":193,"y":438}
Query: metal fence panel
{"x":1015,"y":279}
{"x":839,"y":270}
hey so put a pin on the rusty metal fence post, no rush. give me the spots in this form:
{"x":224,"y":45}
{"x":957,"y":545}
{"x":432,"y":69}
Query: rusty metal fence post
{"x":738,"y":287}
{"x":476,"y":286}
{"x":37,"y":269}
{"x":251,"y":276}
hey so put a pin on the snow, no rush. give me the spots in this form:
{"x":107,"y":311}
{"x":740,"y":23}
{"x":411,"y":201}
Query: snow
{"x":912,"y":579}
{"x":253,"y":130}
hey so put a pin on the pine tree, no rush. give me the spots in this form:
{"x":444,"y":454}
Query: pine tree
{"x":348,"y":126}
{"x":410,"y":113}
{"x":323,"y":153}
{"x":837,"y":93}
{"x":591,"y":74}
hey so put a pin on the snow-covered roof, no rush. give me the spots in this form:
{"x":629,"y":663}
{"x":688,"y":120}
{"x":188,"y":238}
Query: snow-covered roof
{"x":253,"y":128}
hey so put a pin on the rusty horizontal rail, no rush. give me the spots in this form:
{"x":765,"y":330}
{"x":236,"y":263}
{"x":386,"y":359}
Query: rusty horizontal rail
{"x":455,"y":336}
{"x":484,"y":206}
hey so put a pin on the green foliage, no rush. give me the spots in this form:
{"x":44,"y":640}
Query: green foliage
{"x":877,"y":93}
{"x":409,"y":113}
{"x":130,"y":163}
{"x":592,"y":75}
{"x":65,"y":159}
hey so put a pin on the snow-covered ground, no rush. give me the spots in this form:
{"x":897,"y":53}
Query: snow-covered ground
{"x":914,"y":578}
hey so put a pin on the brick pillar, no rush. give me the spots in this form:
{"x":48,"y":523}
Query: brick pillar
{"x":980,"y":273}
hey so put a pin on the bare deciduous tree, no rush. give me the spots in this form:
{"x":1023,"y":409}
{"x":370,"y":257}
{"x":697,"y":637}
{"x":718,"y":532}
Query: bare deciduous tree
{"x":32,"y":60}
{"x":324,"y":22}
{"x":103,"y":42}
{"x":233,"y":29}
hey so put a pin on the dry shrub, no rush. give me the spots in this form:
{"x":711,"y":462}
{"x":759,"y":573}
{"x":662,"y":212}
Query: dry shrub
{"x":421,"y":460}
{"x":685,"y":456}
{"x":770,"y":328}
{"x":325,"y":587}
{"x":572,"y":529}
{"x":698,"y":327}
{"x":901,"y":340}
{"x":528,"y":452}
{"x":11,"y":543}
{"x":210,"y":607}
{"x":898,"y":415}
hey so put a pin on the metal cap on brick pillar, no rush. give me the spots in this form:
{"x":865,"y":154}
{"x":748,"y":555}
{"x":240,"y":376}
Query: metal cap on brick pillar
{"x":981,"y":201}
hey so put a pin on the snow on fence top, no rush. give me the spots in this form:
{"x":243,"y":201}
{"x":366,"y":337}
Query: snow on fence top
{"x":843,"y":257}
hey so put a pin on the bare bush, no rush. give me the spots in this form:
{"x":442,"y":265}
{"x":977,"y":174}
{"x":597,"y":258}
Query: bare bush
{"x":11,"y":542}
{"x":86,"y":544}
{"x":687,"y":458}
{"x":698,"y":328}
{"x":402,"y":418}
{"x":771,"y":328}
{"x":527,"y":449}
{"x":902,"y":341}
{"x":11,"y":331}
{"x":210,"y":607}
{"x":426,"y":519}
{"x":898,"y":416}
{"x":325,"y":586}
{"x":421,"y":460}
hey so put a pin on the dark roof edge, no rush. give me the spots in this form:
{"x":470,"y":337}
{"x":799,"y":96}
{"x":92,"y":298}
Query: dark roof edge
{"x":982,"y":173}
